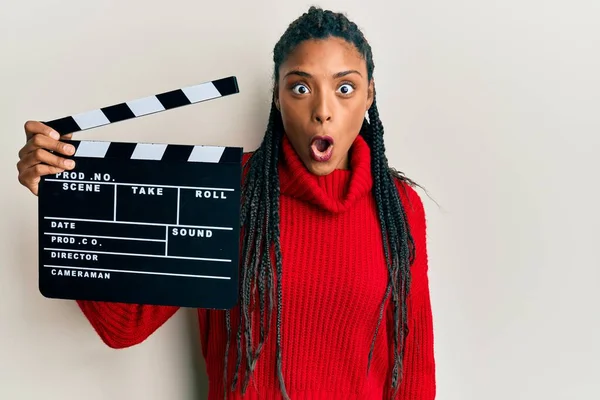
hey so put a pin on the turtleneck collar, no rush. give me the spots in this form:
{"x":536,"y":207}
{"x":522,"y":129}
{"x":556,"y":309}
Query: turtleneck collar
{"x":336,"y":192}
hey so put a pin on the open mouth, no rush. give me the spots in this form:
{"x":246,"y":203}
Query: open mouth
{"x":321,"y":148}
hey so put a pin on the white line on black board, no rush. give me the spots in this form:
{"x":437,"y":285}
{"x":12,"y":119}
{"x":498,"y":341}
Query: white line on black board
{"x":178,"y":203}
{"x":104,"y":237}
{"x":223,"y":228}
{"x":115,"y":205}
{"x":139,"y":272}
{"x":136,"y":254}
{"x":141,"y":184}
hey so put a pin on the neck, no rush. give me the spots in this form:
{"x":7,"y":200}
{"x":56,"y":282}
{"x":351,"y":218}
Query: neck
{"x":334,"y":192}
{"x":344,"y":164}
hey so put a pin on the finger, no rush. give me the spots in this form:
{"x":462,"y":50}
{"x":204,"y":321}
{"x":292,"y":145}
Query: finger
{"x":42,"y":156}
{"x":36,"y":127}
{"x":45,"y":142}
{"x":30,"y":177}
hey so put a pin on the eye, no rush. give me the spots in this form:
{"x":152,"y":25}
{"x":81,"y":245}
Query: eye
{"x":300,"y":89}
{"x":346,"y":89}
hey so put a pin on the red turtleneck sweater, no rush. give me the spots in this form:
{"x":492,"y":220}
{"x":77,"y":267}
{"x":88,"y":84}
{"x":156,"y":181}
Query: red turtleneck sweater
{"x":334,"y":277}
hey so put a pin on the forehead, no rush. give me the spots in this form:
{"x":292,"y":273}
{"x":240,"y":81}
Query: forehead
{"x":328,"y":56}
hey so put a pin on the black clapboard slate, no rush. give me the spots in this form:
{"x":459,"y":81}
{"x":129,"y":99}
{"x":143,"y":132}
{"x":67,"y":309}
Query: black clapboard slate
{"x":143,"y":223}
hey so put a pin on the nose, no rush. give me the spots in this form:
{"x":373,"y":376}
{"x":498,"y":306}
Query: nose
{"x":322,"y":111}
{"x":323,"y":117}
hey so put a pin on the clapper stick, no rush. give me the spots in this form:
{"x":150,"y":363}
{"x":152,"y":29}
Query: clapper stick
{"x":145,"y":106}
{"x":143,"y":223}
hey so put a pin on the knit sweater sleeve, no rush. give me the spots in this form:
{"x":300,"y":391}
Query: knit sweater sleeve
{"x":418,"y":378}
{"x":121,"y":325}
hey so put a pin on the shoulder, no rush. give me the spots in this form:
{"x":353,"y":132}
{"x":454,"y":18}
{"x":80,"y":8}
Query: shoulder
{"x":417,"y":225}
{"x":246,"y":156}
{"x":411,"y":201}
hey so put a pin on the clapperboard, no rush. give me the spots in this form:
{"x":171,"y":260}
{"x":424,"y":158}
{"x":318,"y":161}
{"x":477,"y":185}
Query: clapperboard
{"x":144,"y":223}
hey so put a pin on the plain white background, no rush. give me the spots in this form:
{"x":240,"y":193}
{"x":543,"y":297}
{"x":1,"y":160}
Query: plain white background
{"x":493,"y":106}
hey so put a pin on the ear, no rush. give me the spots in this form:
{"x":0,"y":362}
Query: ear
{"x":370,"y":94}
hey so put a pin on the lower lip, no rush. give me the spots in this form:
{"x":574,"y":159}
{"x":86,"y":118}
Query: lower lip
{"x":321,"y":156}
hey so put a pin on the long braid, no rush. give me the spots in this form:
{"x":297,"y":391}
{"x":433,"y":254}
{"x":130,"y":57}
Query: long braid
{"x":278,"y":260}
{"x":260,"y":218}
{"x":260,"y":221}
{"x":396,"y":233}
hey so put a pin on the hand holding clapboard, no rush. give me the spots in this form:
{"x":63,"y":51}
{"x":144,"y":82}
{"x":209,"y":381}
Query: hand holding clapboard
{"x":145,"y":223}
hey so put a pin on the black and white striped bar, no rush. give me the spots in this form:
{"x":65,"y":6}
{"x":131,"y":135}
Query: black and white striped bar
{"x":155,"y":151}
{"x":146,"y":106}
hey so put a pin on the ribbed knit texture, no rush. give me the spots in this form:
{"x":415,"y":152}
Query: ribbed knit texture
{"x":334,"y":278}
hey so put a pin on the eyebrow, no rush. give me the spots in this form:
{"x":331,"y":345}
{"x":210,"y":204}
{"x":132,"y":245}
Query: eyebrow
{"x":336,"y":75}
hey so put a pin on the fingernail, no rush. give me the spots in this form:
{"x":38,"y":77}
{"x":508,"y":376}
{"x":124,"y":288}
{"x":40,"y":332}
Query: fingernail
{"x":70,"y":163}
{"x":69,"y":149}
{"x":54,"y":135}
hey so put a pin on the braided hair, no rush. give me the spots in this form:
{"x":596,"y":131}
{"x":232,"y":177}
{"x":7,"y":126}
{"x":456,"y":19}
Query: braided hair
{"x":260,"y":214}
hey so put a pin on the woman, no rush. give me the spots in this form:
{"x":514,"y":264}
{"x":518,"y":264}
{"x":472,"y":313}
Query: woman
{"x":331,"y":310}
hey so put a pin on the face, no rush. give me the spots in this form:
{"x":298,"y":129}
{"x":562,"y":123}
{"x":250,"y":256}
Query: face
{"x":323,"y":94}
